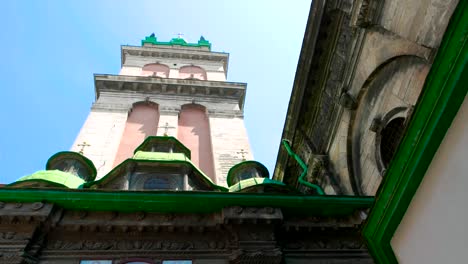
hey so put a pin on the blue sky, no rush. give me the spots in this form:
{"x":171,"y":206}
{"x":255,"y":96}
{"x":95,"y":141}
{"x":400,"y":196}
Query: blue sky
{"x":52,"y":48}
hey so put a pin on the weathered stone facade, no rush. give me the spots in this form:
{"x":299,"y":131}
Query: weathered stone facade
{"x":362,"y":65}
{"x":46,"y":233}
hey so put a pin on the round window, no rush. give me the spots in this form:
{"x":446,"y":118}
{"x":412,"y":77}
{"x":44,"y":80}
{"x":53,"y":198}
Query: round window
{"x":391,"y":135}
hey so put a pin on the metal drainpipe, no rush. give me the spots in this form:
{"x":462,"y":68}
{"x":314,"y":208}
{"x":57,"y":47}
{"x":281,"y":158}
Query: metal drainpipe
{"x":304,"y":167}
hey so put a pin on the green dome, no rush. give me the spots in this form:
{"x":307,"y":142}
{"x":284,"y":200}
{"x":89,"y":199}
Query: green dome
{"x":49,"y":178}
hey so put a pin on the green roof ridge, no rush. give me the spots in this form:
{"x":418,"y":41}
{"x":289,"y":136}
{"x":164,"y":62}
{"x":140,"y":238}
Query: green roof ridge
{"x":176,"y":42}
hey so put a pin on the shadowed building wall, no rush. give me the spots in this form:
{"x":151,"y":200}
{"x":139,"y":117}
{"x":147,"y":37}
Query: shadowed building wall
{"x":142,"y":122}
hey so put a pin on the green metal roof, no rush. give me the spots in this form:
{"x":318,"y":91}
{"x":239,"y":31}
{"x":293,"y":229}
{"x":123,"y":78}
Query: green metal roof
{"x":161,"y":157}
{"x":176,"y":42}
{"x":53,"y":177}
{"x":174,"y":140}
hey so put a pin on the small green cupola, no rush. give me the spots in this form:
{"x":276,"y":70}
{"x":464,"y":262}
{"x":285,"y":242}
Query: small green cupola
{"x":253,"y":177}
{"x":164,"y":144}
{"x":246,"y":170}
{"x":64,"y":169}
{"x":73,"y":163}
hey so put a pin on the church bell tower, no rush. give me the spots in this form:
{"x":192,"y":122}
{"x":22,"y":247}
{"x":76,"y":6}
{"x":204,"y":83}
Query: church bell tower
{"x":173,"y":88}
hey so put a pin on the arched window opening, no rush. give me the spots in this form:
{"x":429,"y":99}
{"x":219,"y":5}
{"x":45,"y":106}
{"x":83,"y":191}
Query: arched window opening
{"x":194,"y":133}
{"x":391,"y":135}
{"x":192,"y":72}
{"x":142,"y":122}
{"x":155,"y":70}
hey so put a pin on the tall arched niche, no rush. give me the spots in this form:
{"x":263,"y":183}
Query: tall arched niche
{"x":194,"y":133}
{"x":192,"y":72}
{"x":156,"y":70}
{"x":142,"y":122}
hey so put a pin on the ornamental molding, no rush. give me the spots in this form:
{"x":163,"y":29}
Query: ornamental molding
{"x":149,"y":85}
{"x":366,"y":13}
{"x":24,"y":213}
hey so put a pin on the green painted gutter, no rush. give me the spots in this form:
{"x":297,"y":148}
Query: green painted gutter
{"x":444,"y":90}
{"x":302,"y":181}
{"x":185,"y":202}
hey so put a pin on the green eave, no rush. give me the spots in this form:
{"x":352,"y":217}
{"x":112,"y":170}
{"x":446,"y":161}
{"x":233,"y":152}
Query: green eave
{"x":160,"y":157}
{"x":185,"y":201}
{"x":443,"y":93}
{"x":176,"y":42}
{"x":53,"y":177}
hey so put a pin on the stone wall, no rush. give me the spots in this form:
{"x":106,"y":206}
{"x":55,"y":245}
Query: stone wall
{"x":47,"y":234}
{"x":364,"y":65}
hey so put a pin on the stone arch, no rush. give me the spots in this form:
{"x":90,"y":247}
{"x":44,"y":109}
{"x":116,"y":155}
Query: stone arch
{"x":156,"y":70}
{"x":396,"y":83}
{"x":195,"y":133}
{"x":142,"y":122}
{"x":192,"y":72}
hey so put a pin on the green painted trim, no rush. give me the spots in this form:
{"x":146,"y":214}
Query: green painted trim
{"x":445,"y":89}
{"x":77,"y":156}
{"x":185,"y":202}
{"x":158,"y":157}
{"x":304,"y":167}
{"x":241,"y":164}
{"x":187,"y":151}
{"x":176,"y":42}
{"x":253,"y":182}
{"x":53,"y":177}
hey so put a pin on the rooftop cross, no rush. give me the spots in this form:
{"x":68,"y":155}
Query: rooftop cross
{"x":83,"y":145}
{"x":242,"y":152}
{"x":166,"y":128}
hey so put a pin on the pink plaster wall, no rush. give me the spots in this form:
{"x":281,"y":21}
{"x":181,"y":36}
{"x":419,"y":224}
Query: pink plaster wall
{"x":155,"y":69}
{"x":142,"y":122}
{"x":192,"y":72}
{"x":194,"y":132}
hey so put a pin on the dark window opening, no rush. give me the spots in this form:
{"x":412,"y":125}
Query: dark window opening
{"x":390,"y":139}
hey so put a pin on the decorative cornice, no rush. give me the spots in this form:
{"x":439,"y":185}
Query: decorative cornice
{"x":171,"y":53}
{"x":24,"y":213}
{"x":300,"y":82}
{"x":180,"y":87}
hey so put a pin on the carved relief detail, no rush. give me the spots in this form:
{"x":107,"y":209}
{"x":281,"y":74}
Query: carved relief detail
{"x":137,"y":245}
